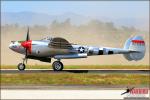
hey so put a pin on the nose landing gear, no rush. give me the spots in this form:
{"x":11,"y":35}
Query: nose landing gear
{"x":22,"y":66}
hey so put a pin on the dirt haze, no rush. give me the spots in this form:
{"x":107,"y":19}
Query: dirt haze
{"x":79,"y":35}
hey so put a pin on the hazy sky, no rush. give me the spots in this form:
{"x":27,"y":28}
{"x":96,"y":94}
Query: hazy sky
{"x":113,"y":9}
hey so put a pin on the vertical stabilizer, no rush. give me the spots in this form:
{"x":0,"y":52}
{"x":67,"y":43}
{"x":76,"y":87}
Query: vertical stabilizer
{"x":136,"y":46}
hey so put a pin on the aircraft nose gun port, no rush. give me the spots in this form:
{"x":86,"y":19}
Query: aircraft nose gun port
{"x":10,"y":45}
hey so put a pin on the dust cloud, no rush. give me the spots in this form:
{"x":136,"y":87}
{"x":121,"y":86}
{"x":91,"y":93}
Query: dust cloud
{"x":94,"y":33}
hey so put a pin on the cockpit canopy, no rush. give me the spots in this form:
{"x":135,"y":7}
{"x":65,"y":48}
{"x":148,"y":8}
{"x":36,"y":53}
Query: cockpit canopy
{"x":47,"y":38}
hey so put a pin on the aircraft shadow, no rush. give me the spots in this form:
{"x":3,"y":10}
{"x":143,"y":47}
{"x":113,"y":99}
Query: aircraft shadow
{"x":76,"y":71}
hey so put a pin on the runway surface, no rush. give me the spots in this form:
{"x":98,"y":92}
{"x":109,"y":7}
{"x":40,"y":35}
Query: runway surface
{"x":62,"y":94}
{"x":98,"y":71}
{"x":67,"y":94}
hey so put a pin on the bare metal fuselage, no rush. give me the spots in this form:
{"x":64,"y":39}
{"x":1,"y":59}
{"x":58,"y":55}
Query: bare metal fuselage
{"x":60,"y":48}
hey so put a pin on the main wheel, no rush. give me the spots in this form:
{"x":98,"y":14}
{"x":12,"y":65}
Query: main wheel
{"x":57,"y":66}
{"x":21,"y":66}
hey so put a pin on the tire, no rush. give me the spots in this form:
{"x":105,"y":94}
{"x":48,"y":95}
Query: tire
{"x":57,"y":66}
{"x":21,"y":66}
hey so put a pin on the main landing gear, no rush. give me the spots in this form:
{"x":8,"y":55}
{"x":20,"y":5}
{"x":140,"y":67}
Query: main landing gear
{"x":57,"y":66}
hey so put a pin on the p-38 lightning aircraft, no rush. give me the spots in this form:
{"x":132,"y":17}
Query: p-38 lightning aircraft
{"x":59,"y":48}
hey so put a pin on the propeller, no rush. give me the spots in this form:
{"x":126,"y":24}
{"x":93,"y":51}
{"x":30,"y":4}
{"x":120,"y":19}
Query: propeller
{"x":27,"y":38}
{"x":27,"y":45}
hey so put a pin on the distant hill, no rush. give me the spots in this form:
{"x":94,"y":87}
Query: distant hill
{"x":32,"y":18}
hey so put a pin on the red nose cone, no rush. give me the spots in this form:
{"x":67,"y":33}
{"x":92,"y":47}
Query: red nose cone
{"x":27,"y":45}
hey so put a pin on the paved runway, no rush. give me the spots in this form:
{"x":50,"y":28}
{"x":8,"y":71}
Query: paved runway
{"x":67,"y":94}
{"x":98,"y":71}
{"x":62,"y":94}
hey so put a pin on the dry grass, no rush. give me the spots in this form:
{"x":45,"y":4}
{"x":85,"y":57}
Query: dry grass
{"x":73,"y":79}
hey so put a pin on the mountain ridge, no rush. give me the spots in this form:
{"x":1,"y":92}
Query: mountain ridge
{"x":34,"y":18}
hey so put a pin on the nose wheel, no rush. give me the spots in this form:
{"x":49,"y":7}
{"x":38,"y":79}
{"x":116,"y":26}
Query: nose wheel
{"x":21,"y":66}
{"x":57,"y":66}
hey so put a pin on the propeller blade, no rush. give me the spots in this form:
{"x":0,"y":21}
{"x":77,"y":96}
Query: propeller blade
{"x":27,"y":37}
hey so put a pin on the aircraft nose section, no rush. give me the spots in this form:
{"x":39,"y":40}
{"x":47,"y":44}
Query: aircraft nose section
{"x":11,"y":45}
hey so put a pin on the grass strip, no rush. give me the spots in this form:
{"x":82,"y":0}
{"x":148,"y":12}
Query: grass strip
{"x":73,"y":79}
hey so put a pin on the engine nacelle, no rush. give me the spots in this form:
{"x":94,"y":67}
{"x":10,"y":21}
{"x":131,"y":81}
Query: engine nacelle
{"x":43,"y":59}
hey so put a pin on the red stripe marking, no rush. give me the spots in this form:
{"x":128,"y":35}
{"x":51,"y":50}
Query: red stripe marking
{"x":138,"y":41}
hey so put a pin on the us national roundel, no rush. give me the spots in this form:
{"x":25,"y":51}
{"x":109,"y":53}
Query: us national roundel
{"x":81,"y":49}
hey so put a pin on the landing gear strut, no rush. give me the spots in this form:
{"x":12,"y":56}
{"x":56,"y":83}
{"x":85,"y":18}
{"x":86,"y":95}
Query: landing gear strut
{"x":21,"y":66}
{"x":57,"y":66}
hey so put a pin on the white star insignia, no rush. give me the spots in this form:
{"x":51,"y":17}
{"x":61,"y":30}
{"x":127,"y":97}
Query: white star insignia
{"x":81,"y":49}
